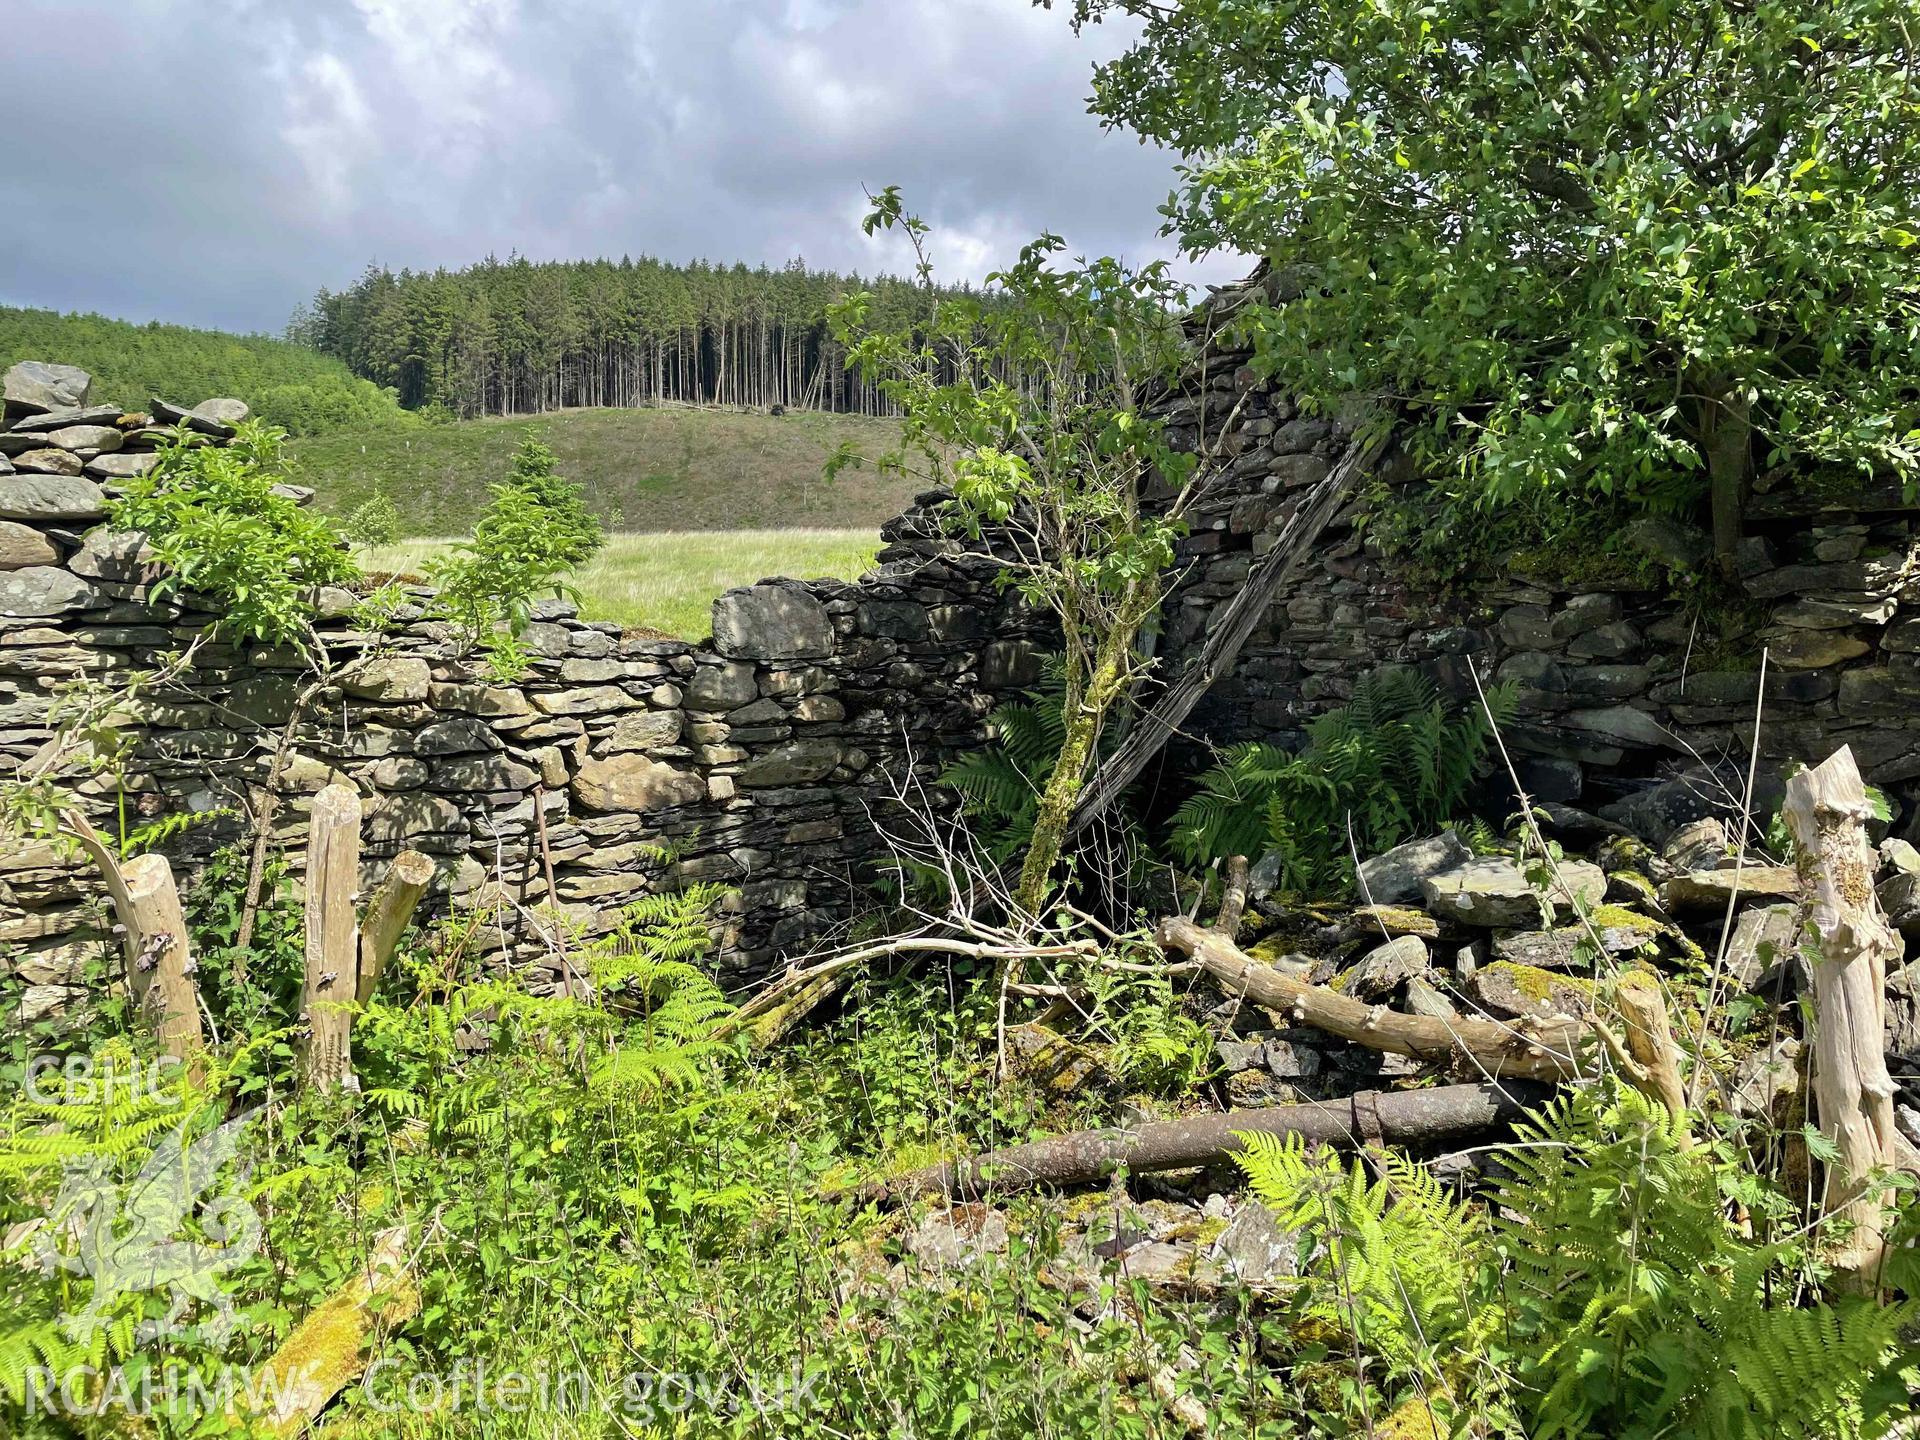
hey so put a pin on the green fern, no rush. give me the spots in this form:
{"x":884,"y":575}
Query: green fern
{"x":1604,"y":1290}
{"x":1394,"y":761}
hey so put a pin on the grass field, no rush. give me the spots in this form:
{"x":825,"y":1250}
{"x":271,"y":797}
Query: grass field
{"x":642,"y":470}
{"x":668,"y":582}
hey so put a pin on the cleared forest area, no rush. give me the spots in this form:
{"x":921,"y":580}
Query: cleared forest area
{"x":642,"y":470}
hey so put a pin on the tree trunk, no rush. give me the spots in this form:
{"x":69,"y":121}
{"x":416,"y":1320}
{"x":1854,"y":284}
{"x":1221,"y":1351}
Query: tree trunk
{"x":1403,"y":1117}
{"x":1847,"y":946}
{"x":1727,"y":438}
{"x":388,"y":913}
{"x":333,"y":942}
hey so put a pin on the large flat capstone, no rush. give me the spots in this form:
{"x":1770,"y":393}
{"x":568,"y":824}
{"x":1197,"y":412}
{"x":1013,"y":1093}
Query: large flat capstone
{"x":1496,"y":892}
{"x":775,"y":620}
{"x":33,"y":387}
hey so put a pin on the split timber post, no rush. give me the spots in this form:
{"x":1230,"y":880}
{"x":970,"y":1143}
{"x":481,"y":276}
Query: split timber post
{"x":1847,"y":944}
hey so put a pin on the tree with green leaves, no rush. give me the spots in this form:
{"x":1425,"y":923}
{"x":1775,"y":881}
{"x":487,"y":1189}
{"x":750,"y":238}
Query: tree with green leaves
{"x":1055,"y":460}
{"x":1598,"y":250}
{"x":535,"y":529}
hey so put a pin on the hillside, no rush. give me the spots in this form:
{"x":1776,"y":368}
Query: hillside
{"x":643,"y":470}
{"x":291,"y":385}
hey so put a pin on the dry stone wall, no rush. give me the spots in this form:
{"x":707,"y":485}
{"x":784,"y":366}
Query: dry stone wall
{"x":627,"y":762}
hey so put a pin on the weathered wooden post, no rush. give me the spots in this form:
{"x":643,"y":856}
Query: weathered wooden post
{"x":153,"y":936}
{"x":161,"y":969}
{"x":1847,"y":944}
{"x":388,"y":914}
{"x":333,"y":938}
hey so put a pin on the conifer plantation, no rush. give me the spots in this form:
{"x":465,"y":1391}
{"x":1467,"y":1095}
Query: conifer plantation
{"x":514,"y":337}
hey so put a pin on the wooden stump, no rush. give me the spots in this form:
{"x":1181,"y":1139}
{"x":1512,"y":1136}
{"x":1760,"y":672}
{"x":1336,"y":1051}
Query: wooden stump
{"x":1847,"y":945}
{"x":160,"y":964}
{"x":333,"y":940}
{"x":388,"y":914}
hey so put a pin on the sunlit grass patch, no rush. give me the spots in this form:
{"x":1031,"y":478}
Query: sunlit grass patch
{"x":668,"y":581}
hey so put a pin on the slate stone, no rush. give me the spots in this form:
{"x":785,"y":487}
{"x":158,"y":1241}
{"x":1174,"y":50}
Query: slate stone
{"x":407,"y":816}
{"x":896,"y":619}
{"x":778,"y":620}
{"x":396,"y":679}
{"x":1622,"y":725}
{"x":633,"y":782}
{"x":483,"y":773}
{"x":43,"y":590}
{"x":22,"y":546}
{"x":721,"y":687}
{"x":1519,"y":991}
{"x":122,"y":556}
{"x":1710,"y":889}
{"x":1393,"y":878}
{"x":1009,"y":664}
{"x":43,"y":425}
{"x":1255,"y":1249}
{"x":797,"y":762}
{"x":493,"y":701}
{"x":172,"y":414}
{"x":589,"y":700}
{"x":48,"y":461}
{"x":1385,"y":969}
{"x":1763,"y":935}
{"x":96,"y":438}
{"x":1494,"y":892}
{"x":455,"y":737}
{"x":33,"y":387}
{"x":47,"y":499}
{"x":653,"y":730}
{"x":1815,"y":649}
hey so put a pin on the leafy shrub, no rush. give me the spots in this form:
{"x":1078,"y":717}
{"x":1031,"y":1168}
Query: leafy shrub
{"x":536,"y":529}
{"x":374,"y":521}
{"x":212,"y":519}
{"x":1604,"y":1291}
{"x":1392,"y":762}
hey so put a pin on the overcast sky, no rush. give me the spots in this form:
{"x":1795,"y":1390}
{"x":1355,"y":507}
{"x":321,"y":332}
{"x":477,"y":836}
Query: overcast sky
{"x":214,"y":162}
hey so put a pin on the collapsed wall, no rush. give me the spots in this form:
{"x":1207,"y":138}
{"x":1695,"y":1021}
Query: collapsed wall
{"x":625,"y":762}
{"x":762,"y":757}
{"x":1643,"y":668}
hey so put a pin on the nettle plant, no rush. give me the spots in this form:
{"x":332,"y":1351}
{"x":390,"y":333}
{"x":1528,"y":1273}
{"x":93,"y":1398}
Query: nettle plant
{"x":1596,"y":250}
{"x":1027,"y":401}
{"x":536,"y":528}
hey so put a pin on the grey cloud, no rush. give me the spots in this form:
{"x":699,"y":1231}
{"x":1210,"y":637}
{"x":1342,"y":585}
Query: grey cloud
{"x":215,"y":161}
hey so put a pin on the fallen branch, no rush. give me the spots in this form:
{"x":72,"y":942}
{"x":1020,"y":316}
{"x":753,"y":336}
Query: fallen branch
{"x":1550,"y":1049}
{"x":1406,"y":1117}
{"x":1233,"y":900}
{"x":803,"y":982}
{"x":327,"y":1351}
